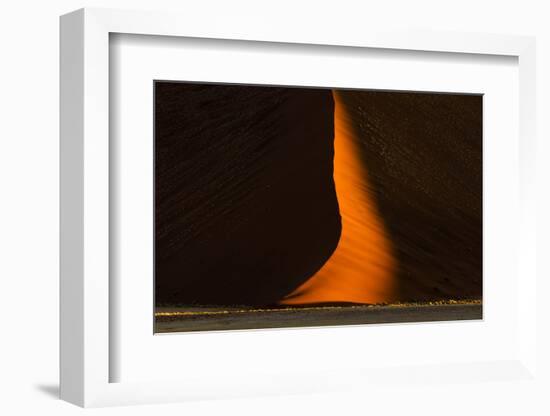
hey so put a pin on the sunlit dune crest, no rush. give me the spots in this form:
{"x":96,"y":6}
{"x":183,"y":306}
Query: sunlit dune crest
{"x":362,"y":268}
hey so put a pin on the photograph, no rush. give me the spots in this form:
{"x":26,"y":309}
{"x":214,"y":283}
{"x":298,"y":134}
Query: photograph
{"x":285,"y":206}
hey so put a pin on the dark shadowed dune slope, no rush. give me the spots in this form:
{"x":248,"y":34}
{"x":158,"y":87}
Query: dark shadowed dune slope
{"x":243,"y":183}
{"x":424,"y":157}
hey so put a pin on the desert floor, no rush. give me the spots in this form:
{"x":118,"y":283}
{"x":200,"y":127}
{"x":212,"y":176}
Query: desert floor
{"x":184,"y":319}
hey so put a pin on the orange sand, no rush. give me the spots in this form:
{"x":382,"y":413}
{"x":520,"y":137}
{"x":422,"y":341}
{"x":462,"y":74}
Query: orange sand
{"x":362,"y":268}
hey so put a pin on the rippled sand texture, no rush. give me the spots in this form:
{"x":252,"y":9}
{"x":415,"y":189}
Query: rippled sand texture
{"x":362,"y":269}
{"x":245,"y":204}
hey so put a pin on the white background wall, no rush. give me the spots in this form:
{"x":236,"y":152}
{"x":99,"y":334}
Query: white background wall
{"x":29,"y":189}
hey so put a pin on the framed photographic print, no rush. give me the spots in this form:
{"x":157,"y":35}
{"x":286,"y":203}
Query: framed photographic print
{"x":266,"y":213}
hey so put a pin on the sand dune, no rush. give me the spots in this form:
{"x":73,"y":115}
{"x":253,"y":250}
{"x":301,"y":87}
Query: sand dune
{"x":362,"y":268}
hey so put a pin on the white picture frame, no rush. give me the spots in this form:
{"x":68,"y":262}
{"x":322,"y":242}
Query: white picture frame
{"x":85,"y":194}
